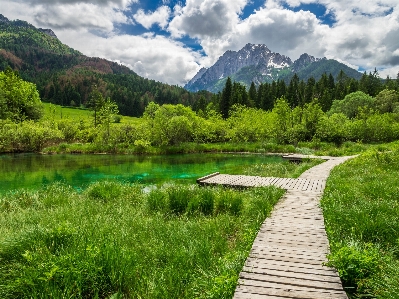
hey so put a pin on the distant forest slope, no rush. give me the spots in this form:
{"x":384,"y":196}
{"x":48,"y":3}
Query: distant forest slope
{"x":329,"y":66}
{"x":66,"y":77}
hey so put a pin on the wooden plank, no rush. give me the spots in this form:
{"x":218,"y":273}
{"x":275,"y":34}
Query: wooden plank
{"x":291,"y":284}
{"x":290,"y":266}
{"x":266,"y":272}
{"x":304,"y":281}
{"x":253,"y":292}
{"x":287,"y":256}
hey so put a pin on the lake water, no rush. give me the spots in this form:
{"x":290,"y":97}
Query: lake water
{"x":32,"y":171}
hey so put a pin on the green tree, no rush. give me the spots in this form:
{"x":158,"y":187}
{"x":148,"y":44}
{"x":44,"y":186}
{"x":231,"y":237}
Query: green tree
{"x":283,"y":116}
{"x":341,"y":86}
{"x":309,"y":89}
{"x":173,"y":124}
{"x":106,"y":114}
{"x":253,"y":95}
{"x":19,"y":100}
{"x":370,"y":84}
{"x":226,"y":98}
{"x":293,"y":94}
{"x":387,"y":101}
{"x":95,"y":103}
{"x":350,"y":105}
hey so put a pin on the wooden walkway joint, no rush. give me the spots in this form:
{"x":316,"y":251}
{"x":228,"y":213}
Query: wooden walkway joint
{"x":287,"y":256}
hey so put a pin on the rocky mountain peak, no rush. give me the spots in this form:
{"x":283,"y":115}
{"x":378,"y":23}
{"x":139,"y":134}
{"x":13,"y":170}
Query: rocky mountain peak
{"x":197,"y":76}
{"x":303,"y":61}
{"x":256,"y":55}
{"x":48,"y":32}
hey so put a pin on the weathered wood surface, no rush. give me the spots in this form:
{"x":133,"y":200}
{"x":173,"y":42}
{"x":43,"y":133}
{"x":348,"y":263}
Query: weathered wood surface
{"x":287,"y":256}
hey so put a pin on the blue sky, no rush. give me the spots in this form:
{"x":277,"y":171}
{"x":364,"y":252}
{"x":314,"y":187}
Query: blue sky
{"x":169,"y":40}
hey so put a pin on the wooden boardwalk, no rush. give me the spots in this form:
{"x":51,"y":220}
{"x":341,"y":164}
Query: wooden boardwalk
{"x":286,"y":259}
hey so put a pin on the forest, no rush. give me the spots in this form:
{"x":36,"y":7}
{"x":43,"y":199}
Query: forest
{"x":233,"y":115}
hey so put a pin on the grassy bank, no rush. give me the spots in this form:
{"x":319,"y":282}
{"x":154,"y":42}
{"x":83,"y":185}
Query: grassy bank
{"x":361,"y":210}
{"x":307,"y":148}
{"x":115,"y":240}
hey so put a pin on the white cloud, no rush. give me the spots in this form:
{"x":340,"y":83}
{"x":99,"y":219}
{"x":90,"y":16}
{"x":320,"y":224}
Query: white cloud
{"x":96,"y":15}
{"x":76,"y":16}
{"x":160,"y":16}
{"x":123,"y":4}
{"x":206,"y":18}
{"x":151,"y":56}
{"x":365,"y":33}
{"x":282,"y":30}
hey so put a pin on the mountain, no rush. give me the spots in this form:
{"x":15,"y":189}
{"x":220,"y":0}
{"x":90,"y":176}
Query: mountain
{"x":258,"y":64}
{"x":67,"y":77}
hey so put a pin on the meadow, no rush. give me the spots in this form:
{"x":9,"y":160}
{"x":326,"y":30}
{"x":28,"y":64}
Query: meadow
{"x":106,"y":241}
{"x":361,"y":210}
{"x":115,"y":241}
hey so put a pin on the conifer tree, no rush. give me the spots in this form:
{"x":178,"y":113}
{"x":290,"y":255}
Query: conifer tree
{"x":252,"y":95}
{"x":226,"y":98}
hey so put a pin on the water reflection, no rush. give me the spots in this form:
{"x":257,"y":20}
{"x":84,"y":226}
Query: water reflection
{"x":33,"y":171}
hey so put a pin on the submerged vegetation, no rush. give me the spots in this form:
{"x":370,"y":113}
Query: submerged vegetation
{"x":113,"y":239}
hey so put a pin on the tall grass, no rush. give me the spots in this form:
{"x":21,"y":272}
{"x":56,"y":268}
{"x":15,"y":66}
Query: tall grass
{"x":115,"y":241}
{"x":284,"y":169}
{"x":361,"y":210}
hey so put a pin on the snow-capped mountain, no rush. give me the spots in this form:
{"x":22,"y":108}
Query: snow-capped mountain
{"x":254,"y":63}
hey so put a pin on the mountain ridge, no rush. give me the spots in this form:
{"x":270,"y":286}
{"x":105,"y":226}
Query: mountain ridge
{"x":257,"y":63}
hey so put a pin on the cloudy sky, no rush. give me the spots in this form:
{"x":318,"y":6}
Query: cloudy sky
{"x":169,"y":40}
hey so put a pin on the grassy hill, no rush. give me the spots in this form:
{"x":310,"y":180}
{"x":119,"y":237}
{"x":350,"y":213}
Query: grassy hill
{"x":66,"y":77}
{"x":57,"y":113}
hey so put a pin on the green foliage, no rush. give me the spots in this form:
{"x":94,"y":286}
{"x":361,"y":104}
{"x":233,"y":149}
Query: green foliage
{"x":65,"y":77}
{"x":226,"y":99}
{"x":351,"y":104}
{"x":332,"y":128}
{"x":19,"y":100}
{"x":104,"y":191}
{"x":281,"y":170}
{"x":250,"y":124}
{"x":387,"y":101}
{"x":96,"y":244}
{"x":172,"y":124}
{"x":26,"y":137}
{"x":360,"y":206}
{"x":355,"y":264}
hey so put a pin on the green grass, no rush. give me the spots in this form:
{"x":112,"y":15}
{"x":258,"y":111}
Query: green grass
{"x":115,"y":241}
{"x":285,"y":169}
{"x":361,"y":210}
{"x":57,"y":113}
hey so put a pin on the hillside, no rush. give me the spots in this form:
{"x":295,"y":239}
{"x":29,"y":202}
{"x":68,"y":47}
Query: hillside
{"x":258,"y":64}
{"x":66,"y":77}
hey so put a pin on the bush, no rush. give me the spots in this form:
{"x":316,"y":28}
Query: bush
{"x":104,"y":191}
{"x":355,"y":263}
{"x":333,"y":128}
{"x":157,"y":201}
{"x":350,"y":105}
{"x":178,"y":200}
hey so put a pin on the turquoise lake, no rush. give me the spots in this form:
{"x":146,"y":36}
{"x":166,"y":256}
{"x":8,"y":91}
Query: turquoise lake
{"x":32,"y":171}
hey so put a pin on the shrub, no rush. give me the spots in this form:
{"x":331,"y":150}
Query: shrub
{"x":156,"y":201}
{"x":178,"y":200}
{"x":355,"y":263}
{"x":206,"y":202}
{"x":104,"y":191}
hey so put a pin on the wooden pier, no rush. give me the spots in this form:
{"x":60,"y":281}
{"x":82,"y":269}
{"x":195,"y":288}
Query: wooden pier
{"x":287,"y":256}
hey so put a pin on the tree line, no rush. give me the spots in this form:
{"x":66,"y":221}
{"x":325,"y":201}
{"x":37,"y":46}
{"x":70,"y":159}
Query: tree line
{"x":298,"y":92}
